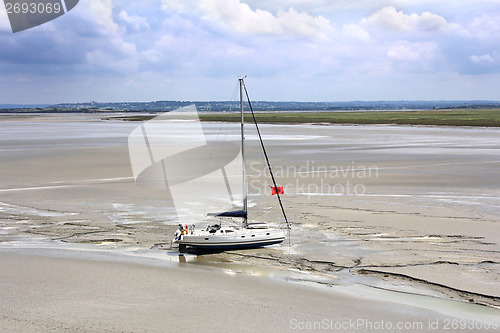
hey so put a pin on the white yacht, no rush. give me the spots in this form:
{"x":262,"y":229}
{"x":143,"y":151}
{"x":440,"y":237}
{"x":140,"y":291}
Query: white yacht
{"x":248,"y":235}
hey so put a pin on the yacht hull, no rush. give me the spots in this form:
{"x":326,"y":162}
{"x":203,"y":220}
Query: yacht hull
{"x":253,"y":239}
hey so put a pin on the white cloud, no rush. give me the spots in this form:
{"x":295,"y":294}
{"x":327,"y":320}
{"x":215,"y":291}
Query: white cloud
{"x":318,"y":49}
{"x":85,"y":39}
{"x":390,"y":18}
{"x":482,"y":60}
{"x":178,"y":6}
{"x":406,"y":51}
{"x":136,"y":22}
{"x":123,"y":63}
{"x":102,"y":14}
{"x":238,"y":16}
{"x":109,"y":50}
{"x":485,"y":27}
{"x":356,"y":32}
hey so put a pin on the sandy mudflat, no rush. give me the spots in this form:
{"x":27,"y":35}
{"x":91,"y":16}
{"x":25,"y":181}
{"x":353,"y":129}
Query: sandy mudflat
{"x":426,"y":220}
{"x":42,"y":294}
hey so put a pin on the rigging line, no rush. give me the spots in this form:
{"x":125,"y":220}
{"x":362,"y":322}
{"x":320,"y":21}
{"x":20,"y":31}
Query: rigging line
{"x":224,"y":125}
{"x":234,"y":99}
{"x":265,"y":154}
{"x":261,"y":215}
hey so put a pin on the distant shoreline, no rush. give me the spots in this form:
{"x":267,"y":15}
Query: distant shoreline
{"x":450,"y":117}
{"x":269,"y":106}
{"x":468,"y":117}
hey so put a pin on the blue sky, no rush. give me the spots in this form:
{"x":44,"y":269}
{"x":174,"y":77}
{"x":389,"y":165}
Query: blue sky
{"x":291,"y":50}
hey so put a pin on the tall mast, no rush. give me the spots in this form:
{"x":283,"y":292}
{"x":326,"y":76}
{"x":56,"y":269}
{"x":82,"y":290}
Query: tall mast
{"x":245,"y":189}
{"x":242,"y":83}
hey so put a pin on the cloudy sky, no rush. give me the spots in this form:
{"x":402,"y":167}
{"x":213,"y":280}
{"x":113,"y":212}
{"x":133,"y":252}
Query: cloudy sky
{"x":291,"y":50}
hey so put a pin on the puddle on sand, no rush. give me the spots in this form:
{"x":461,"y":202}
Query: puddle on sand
{"x":17,"y":210}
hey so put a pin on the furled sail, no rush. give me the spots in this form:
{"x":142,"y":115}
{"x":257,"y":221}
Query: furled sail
{"x":234,"y":213}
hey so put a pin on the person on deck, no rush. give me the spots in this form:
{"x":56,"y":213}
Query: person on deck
{"x":178,"y":232}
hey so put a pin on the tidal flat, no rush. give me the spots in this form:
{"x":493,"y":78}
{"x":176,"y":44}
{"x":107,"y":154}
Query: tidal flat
{"x":409,"y":210}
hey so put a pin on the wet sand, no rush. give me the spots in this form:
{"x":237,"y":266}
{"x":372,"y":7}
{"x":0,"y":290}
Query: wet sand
{"x":425,"y":220}
{"x":60,"y":294}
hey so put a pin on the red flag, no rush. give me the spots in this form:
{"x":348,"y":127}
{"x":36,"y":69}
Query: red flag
{"x":277,"y":190}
